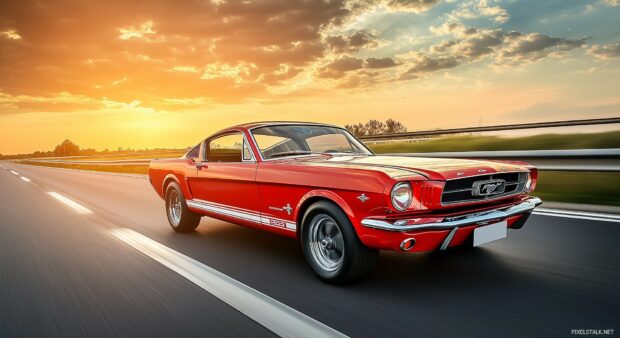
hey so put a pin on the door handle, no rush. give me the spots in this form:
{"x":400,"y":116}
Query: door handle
{"x":201,"y":166}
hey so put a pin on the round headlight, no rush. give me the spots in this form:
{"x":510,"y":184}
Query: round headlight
{"x":528,"y":183}
{"x":401,"y":196}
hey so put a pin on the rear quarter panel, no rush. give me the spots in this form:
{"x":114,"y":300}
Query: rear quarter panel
{"x":183,"y":171}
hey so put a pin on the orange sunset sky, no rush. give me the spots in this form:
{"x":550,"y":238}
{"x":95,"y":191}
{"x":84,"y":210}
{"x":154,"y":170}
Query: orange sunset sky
{"x":168,"y":73}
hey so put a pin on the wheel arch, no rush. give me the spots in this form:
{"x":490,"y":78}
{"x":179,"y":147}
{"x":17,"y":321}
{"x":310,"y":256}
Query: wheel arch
{"x":167,"y":180}
{"x":316,"y":196}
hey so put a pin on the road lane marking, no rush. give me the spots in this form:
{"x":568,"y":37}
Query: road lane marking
{"x":279,"y":318}
{"x":25,"y":179}
{"x":578,"y":215}
{"x":14,"y":172}
{"x":71,"y":204}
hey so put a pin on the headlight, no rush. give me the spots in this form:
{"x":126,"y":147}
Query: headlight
{"x":401,"y":196}
{"x":528,"y":183}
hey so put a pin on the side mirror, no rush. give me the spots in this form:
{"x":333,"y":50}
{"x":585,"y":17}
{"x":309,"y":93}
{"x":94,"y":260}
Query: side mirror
{"x":201,"y":165}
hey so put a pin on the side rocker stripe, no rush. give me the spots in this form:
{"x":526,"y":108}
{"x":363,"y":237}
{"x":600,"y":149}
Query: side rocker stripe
{"x":243,"y":214}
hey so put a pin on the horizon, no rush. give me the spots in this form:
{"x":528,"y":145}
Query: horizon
{"x":164,"y":76}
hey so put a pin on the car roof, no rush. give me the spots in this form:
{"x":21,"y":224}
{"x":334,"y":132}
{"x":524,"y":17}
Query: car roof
{"x":252,"y":125}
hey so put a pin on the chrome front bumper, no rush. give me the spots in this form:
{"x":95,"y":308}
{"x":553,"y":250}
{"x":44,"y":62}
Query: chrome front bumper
{"x":457,"y":221}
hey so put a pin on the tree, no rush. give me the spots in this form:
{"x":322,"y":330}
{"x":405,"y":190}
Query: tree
{"x":375,"y":127}
{"x":393,"y":126}
{"x":356,"y":129}
{"x":66,"y":148}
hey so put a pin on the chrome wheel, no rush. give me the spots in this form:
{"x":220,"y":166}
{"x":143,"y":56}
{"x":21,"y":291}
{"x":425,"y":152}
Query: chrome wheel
{"x":174,"y":207}
{"x":326,"y":242}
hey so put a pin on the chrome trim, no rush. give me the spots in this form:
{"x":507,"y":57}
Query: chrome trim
{"x":446,"y":242}
{"x":487,"y":174}
{"x":457,"y":221}
{"x":403,"y":244}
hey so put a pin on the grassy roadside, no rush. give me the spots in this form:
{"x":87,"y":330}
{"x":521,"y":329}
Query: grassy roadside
{"x":571,"y":187}
{"x":127,"y":169}
{"x":490,"y":143}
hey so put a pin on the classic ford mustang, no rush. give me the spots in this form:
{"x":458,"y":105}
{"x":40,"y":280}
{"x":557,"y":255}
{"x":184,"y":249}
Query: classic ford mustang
{"x":321,"y":185}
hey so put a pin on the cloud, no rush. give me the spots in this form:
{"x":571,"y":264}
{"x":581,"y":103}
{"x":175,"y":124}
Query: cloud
{"x":137,"y":32}
{"x":424,"y":64}
{"x":612,"y":2}
{"x":374,"y":63}
{"x":605,"y":52}
{"x":414,"y":6}
{"x":337,"y":68}
{"x":530,"y":47}
{"x":11,"y":34}
{"x":351,"y":43}
{"x":480,"y":8}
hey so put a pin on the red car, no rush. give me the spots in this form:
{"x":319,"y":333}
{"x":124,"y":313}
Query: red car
{"x":321,"y":185}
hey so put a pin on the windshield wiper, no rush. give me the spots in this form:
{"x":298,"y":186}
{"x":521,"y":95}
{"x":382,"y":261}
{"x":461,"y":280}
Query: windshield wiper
{"x":290,"y":153}
{"x":295,"y":152}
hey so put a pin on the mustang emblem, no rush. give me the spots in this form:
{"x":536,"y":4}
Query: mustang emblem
{"x":286,"y":208}
{"x":363,"y":198}
{"x":488,"y":188}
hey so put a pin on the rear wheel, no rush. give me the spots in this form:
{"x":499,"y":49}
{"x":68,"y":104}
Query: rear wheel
{"x":181,"y":219}
{"x":331,"y":245}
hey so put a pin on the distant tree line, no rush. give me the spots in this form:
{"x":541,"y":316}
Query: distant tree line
{"x":376,"y":127}
{"x":69,"y":148}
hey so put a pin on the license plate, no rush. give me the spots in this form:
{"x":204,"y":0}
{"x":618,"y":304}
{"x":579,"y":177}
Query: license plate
{"x":490,"y":233}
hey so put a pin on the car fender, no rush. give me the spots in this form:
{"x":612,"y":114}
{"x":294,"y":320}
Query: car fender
{"x":326,"y":194}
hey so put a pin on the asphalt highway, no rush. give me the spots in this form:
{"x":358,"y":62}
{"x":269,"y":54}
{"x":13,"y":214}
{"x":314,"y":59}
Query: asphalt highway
{"x":91,"y":254}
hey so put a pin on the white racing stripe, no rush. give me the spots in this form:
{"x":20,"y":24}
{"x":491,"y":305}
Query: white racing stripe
{"x":25,"y":179}
{"x":14,"y":172}
{"x":279,"y":318}
{"x":71,"y":204}
{"x":578,"y":215}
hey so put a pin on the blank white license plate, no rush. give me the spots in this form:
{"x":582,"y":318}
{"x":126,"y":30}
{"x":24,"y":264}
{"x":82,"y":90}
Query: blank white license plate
{"x":490,"y":233}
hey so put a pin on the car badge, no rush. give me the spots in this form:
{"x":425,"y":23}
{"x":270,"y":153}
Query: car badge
{"x":363,"y":198}
{"x":482,"y":170}
{"x":286,"y":208}
{"x":460,"y":173}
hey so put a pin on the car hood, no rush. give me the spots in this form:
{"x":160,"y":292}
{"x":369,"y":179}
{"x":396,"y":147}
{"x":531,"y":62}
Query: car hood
{"x":402,"y":166}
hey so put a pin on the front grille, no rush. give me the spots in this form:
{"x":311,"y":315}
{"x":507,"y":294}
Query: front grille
{"x":462,"y":189}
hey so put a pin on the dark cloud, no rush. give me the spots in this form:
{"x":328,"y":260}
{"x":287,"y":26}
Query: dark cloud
{"x":425,"y":64}
{"x":337,"y":68}
{"x":374,"y":63}
{"x":351,"y":43}
{"x":608,"y":51}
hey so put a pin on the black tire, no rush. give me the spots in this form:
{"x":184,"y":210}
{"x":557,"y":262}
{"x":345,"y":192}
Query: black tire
{"x":181,"y":219}
{"x":356,"y":260}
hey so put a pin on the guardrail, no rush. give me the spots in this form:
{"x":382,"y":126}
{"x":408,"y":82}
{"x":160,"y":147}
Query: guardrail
{"x":586,"y":160}
{"x":417,"y":134}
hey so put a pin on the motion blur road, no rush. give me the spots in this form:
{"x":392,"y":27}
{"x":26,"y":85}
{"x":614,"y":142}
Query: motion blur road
{"x":64,"y":273}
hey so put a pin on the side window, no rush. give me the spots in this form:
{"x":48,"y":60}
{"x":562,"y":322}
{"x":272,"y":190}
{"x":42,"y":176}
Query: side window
{"x":194,"y":153}
{"x":227,"y":148}
{"x":247,"y":153}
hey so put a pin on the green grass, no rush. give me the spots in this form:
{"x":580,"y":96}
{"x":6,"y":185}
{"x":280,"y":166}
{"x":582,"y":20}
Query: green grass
{"x":573,"y":187}
{"x":489,"y":143}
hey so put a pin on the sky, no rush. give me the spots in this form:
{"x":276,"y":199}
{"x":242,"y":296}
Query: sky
{"x":150,"y":74}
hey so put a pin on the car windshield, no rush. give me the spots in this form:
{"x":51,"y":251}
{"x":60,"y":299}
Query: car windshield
{"x":294,"y":140}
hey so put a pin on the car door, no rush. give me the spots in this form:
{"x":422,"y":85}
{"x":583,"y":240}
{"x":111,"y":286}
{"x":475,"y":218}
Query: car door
{"x":227,"y":177}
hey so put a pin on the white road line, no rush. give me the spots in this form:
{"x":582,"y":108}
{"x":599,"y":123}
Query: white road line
{"x":25,"y":179}
{"x":268,"y":312}
{"x":14,"y":172}
{"x":71,"y":204}
{"x":576,"y":216}
{"x":578,"y":213}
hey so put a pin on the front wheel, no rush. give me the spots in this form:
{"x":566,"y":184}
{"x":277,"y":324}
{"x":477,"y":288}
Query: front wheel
{"x":331,"y":245}
{"x":181,"y":219}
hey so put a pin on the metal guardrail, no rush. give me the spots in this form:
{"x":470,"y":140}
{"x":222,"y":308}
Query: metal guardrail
{"x":415,"y":134}
{"x":585,"y":160}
